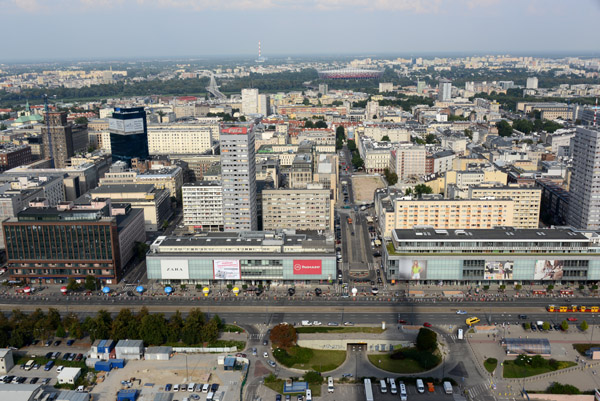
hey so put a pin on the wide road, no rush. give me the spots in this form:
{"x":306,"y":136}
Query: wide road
{"x":357,"y":314}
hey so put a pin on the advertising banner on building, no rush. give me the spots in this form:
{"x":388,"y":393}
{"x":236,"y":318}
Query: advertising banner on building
{"x":412,"y":269}
{"x":174,"y":269}
{"x":227,"y":270}
{"x":548,"y":270}
{"x":307,"y":267}
{"x":132,"y":126}
{"x":498,"y":270}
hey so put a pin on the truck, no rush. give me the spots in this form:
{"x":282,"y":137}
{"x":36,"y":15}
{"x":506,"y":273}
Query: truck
{"x":460,"y":334}
{"x":349,"y":220}
{"x":447,"y":388}
{"x":369,"y":219}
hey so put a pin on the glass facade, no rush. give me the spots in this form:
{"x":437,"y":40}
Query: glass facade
{"x":269,"y":268}
{"x":127,"y":147}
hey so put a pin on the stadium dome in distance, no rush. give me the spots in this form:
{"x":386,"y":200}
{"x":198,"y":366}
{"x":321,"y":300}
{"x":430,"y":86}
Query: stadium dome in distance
{"x":350,"y":73}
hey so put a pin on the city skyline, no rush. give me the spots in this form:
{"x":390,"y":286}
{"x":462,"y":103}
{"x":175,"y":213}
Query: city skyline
{"x":201,"y":28}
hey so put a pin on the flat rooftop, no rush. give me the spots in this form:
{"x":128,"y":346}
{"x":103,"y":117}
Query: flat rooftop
{"x":494,"y":234}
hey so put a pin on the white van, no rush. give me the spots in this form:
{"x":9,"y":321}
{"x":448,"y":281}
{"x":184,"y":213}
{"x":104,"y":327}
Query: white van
{"x":460,"y":334}
{"x":392,"y":383}
{"x":382,"y":386}
{"x":306,"y":323}
{"x":29,"y":364}
{"x":191,"y":387}
{"x":176,"y":388}
{"x":205,"y":388}
{"x":210,"y":396}
{"x":330,"y":384}
{"x":420,"y":386}
{"x":308,"y":395}
{"x":447,"y":388}
{"x":403,"y":396}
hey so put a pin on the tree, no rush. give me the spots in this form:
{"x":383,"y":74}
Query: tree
{"x":518,"y":287}
{"x":550,"y":287}
{"x":430,"y":138}
{"x":305,"y":101}
{"x":385,"y":138}
{"x":546,"y":326}
{"x":422,"y":189}
{"x":153,"y":329}
{"x":468,"y":133}
{"x":141,"y":248}
{"x":320,"y":124}
{"x":73,"y":285}
{"x":210,"y":332}
{"x":309,"y":124}
{"x":174,"y":327}
{"x":90,"y":283}
{"x":75,"y":329}
{"x":527,"y":326}
{"x":584,"y":326}
{"x":564,"y":325}
{"x":81,"y":120}
{"x":340,"y":132}
{"x":313,"y":377}
{"x":3,"y":127}
{"x":525,"y":126}
{"x":190,"y":332}
{"x":426,"y":340}
{"x":120,"y":328}
{"x":357,"y":161}
{"x":504,"y":128}
{"x":408,"y":191}
{"x":60,"y":332}
{"x":391,"y":178}
{"x":283,"y":336}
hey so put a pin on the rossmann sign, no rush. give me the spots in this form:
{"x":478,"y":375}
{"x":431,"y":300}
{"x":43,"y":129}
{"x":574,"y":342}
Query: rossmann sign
{"x":307,"y":267}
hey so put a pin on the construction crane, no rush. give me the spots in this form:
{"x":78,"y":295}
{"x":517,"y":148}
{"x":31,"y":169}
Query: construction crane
{"x":47,"y":112}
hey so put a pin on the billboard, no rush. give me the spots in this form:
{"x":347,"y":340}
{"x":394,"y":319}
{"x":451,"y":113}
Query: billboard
{"x":174,"y":269}
{"x":412,"y":269}
{"x":548,"y":270}
{"x":498,"y":270}
{"x":132,"y":126}
{"x":227,"y":270}
{"x":234,"y":130}
{"x":307,"y":266}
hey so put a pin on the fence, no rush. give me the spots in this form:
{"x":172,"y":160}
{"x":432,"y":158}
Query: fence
{"x":199,"y":350}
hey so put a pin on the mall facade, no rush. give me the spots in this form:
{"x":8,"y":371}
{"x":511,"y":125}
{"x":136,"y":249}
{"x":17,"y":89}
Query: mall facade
{"x":500,"y":255}
{"x":237,"y":258}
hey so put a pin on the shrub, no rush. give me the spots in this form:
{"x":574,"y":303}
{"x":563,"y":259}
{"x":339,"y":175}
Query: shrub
{"x":558,"y":388}
{"x":426,"y":340}
{"x":313,"y":377}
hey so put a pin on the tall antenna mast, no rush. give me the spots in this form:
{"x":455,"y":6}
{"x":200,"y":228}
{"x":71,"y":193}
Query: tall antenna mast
{"x":260,"y":54}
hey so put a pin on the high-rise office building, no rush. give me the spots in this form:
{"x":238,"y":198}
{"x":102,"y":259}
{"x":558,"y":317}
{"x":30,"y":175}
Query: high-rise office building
{"x":584,"y":201}
{"x":264,"y":105}
{"x":238,"y":177}
{"x":421,"y":85}
{"x":445,"y":90}
{"x":249,"y":101}
{"x":128,"y":134}
{"x":60,"y":139}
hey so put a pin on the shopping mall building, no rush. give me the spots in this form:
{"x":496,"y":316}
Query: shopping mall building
{"x":507,"y":255}
{"x":253,"y":258}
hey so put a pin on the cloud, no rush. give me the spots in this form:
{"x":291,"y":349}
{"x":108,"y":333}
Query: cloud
{"x":414,"y":6}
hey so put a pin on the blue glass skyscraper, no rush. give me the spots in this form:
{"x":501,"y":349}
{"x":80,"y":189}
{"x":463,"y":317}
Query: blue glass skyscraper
{"x":128,"y":134}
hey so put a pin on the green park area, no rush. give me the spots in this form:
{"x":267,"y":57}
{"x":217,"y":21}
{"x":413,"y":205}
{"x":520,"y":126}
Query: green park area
{"x":526,"y":366}
{"x":424,"y":356}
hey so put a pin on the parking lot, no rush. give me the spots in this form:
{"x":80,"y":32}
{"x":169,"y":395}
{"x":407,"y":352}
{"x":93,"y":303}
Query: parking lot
{"x":151,"y":377}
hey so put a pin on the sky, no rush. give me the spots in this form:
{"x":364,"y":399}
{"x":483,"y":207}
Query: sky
{"x":123,"y":29}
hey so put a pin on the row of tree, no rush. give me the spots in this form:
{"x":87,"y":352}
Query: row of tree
{"x":21,"y":329}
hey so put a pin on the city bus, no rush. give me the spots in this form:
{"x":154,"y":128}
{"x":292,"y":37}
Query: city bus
{"x":368,"y":390}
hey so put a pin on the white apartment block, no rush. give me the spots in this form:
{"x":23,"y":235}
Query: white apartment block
{"x":180,"y":139}
{"x":238,"y":177}
{"x":408,"y":161}
{"x":249,"y":101}
{"x":203,"y":206}
{"x":396,"y":133}
{"x":300,"y":209}
{"x":376,"y":155}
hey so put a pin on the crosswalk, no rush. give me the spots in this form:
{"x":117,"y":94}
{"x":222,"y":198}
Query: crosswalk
{"x":478,"y":391}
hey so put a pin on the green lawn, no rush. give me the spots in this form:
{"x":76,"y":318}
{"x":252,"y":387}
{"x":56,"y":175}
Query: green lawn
{"x":383,"y":361}
{"x":581,"y":348}
{"x":354,"y":329}
{"x":232,"y":328}
{"x":513,"y":371}
{"x":310,"y":359}
{"x":490,"y":364}
{"x":277,"y":386}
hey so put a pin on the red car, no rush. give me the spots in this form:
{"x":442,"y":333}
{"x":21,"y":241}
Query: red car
{"x":572,"y":319}
{"x":401,"y":321}
{"x":427,"y":324}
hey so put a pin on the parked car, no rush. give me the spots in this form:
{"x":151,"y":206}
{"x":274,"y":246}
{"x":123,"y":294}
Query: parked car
{"x":271,"y":363}
{"x":57,"y":343}
{"x":168,"y":387}
{"x":427,"y":324}
{"x":348,"y":324}
{"x":70,"y":342}
{"x":48,"y":343}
